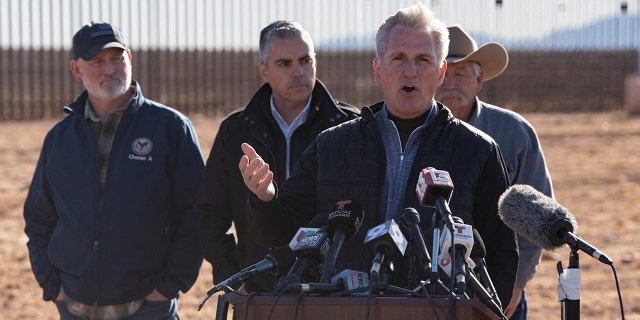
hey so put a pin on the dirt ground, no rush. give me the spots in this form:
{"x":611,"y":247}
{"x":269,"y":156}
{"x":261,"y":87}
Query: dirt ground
{"x":594,"y":161}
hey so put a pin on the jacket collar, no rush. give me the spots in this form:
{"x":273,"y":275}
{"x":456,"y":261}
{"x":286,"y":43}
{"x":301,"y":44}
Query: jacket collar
{"x":368,"y":113}
{"x":322,"y":103}
{"x":77,"y":106}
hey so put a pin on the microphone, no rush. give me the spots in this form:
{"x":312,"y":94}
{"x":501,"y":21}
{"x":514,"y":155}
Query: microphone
{"x":319,"y":222}
{"x":467,"y":244}
{"x":434,"y":189}
{"x":411,"y":220}
{"x":485,"y":297}
{"x":274,"y":261}
{"x":346,"y":280}
{"x":387,"y":241}
{"x":542,"y":220}
{"x":278,"y":258}
{"x":342,"y":223}
{"x":311,"y":249}
{"x":317,"y":288}
{"x":461,"y":251}
{"x":313,"y":246}
{"x":351,"y":279}
{"x":478,"y":252}
{"x":301,"y":234}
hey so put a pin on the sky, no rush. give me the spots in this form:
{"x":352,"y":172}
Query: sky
{"x":235,"y":24}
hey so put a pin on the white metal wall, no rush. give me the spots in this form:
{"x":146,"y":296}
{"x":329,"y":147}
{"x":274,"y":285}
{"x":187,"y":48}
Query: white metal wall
{"x":235,"y":24}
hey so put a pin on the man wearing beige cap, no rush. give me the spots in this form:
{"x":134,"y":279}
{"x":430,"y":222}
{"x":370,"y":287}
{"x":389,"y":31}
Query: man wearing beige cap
{"x":468,"y":67}
{"x":109,"y":214}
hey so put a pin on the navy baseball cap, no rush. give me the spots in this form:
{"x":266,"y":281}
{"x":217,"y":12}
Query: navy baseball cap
{"x":94,"y":37}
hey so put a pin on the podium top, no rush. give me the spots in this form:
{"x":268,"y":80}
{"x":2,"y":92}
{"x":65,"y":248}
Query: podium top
{"x":352,"y":308}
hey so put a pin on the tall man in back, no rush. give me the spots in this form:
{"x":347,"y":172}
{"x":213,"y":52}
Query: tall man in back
{"x":280,"y":121}
{"x":468,"y":67}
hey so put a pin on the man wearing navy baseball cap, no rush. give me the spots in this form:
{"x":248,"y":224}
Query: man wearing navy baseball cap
{"x":95,"y":37}
{"x":109,"y":214}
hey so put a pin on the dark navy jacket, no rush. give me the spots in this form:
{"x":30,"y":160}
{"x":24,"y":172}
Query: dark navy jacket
{"x":144,"y":234}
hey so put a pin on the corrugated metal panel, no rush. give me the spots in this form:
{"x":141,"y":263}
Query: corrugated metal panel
{"x":199,"y":55}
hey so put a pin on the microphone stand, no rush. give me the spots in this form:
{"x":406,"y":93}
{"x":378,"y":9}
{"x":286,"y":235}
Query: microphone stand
{"x":382,"y":284}
{"x":223,"y":305}
{"x":438,"y":225}
{"x":412,"y":267}
{"x":434,"y":277}
{"x":569,"y":287}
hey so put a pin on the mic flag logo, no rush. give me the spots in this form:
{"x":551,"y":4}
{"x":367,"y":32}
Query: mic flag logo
{"x":445,"y":261}
{"x":341,"y":204}
{"x":432,"y":184}
{"x":345,"y":209}
{"x":391,"y":228}
{"x":440,"y":177}
{"x":462,"y":236}
{"x":301,"y":234}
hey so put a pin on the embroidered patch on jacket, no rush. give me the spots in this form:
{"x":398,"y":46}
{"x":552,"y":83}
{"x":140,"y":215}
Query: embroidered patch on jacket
{"x":141,"y":148}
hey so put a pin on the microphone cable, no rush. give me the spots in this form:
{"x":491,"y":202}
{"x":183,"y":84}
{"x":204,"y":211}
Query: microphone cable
{"x":369,"y":297}
{"x":273,"y":305}
{"x":427,"y":297}
{"x":246,"y":308}
{"x":615,"y":275}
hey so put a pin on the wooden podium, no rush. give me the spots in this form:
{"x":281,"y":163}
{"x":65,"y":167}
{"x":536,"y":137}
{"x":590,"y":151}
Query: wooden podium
{"x":355,"y":308}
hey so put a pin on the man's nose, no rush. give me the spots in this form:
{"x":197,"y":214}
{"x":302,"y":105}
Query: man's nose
{"x":298,"y":70}
{"x":448,"y":81}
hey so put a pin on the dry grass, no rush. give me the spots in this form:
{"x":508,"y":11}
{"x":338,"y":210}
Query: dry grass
{"x":593,"y":159}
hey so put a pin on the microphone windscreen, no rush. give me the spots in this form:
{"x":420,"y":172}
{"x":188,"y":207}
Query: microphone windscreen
{"x":283,"y":257}
{"x":319,"y":221}
{"x":535,"y":216}
{"x":347,"y":216}
{"x":410,"y":216}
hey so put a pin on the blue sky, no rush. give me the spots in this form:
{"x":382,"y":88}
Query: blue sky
{"x":235,"y":24}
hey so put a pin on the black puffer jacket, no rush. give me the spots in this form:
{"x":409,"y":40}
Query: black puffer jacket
{"x":223,"y":195}
{"x":348,"y":162}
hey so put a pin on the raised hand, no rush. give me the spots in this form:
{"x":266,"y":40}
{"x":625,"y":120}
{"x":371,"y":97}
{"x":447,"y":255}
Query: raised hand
{"x":256,"y":174}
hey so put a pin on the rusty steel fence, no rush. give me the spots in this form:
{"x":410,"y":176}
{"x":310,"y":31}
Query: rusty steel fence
{"x":199,"y":56}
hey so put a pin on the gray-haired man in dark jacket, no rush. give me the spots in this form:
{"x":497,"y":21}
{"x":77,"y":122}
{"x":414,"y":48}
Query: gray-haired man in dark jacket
{"x":376,"y":159}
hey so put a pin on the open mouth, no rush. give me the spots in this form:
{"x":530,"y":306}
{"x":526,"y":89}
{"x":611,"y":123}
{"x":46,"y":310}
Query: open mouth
{"x":409,"y":89}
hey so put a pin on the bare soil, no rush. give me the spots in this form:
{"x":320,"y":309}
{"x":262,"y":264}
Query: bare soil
{"x":594,"y":161}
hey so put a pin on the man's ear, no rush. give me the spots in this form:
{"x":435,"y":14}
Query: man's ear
{"x":443,"y":72}
{"x":264,"y":72}
{"x":480,"y":79}
{"x":130,"y":56}
{"x":75,"y":69}
{"x":376,"y":70}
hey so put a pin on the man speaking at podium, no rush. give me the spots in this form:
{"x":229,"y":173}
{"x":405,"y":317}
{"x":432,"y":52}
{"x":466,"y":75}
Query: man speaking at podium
{"x":376,"y":159}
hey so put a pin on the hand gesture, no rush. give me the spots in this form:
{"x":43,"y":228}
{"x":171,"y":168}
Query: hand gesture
{"x":256,"y":174}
